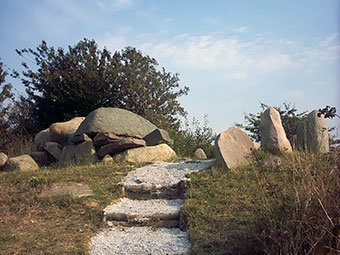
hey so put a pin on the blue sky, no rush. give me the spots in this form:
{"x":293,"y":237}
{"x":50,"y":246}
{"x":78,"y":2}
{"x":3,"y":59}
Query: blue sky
{"x":231,"y":54}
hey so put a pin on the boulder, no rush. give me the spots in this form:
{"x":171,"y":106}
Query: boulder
{"x":161,"y":152}
{"x":120,"y":145}
{"x":42,"y":158}
{"x":76,"y":139}
{"x":103,"y":138}
{"x":158,"y":136}
{"x":233,"y":148}
{"x":21,"y":163}
{"x":54,"y":149}
{"x":273,"y":136}
{"x":107,"y":160}
{"x":41,"y":138}
{"x":61,"y":132}
{"x":312,"y":133}
{"x":78,"y":154}
{"x":118,"y":121}
{"x":3,"y":159}
{"x":200,"y":154}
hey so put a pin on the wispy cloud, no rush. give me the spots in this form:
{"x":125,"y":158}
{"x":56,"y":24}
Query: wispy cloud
{"x":115,"y":5}
{"x":240,"y":29}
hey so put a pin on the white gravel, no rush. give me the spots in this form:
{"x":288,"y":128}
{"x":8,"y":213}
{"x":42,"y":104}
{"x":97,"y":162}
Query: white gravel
{"x":131,"y":207}
{"x":162,"y":174}
{"x":141,"y":241}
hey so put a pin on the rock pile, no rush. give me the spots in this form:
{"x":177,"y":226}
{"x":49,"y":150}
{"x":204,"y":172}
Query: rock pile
{"x":106,"y":133}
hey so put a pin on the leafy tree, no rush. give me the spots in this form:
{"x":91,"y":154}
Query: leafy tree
{"x":76,"y":81}
{"x":5,"y":95}
{"x":289,"y":117}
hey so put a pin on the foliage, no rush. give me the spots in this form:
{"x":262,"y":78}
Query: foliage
{"x":328,"y":112}
{"x":289,"y":117}
{"x":76,"y":81}
{"x":5,"y":95}
{"x":289,"y":209}
{"x":192,"y":137}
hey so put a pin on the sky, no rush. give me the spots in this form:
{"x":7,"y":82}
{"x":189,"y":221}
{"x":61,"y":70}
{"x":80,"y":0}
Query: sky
{"x":232,"y":54}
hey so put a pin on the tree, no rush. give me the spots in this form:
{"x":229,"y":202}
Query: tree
{"x":83,"y":78}
{"x":5,"y":95}
{"x":289,"y":117}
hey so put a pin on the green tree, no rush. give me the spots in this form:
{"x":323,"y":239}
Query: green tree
{"x":76,"y":81}
{"x":289,"y":117}
{"x":5,"y":96}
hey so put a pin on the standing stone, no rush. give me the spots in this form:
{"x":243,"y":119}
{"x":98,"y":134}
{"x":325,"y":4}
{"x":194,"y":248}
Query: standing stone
{"x":21,"y":163}
{"x":161,"y":152}
{"x":78,"y":154}
{"x":3,"y":159}
{"x":312,"y":133}
{"x":61,"y":132}
{"x":41,"y":138}
{"x":118,"y":121}
{"x":200,"y":154}
{"x":233,"y":148}
{"x":273,"y":136}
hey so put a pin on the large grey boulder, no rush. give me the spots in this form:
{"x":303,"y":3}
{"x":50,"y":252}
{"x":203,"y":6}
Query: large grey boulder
{"x":120,"y":145}
{"x":158,"y":136}
{"x":118,"y":121}
{"x":233,"y":148}
{"x":161,"y":152}
{"x":78,"y":154}
{"x":273,"y":136}
{"x":61,"y":132}
{"x":21,"y":163}
{"x":41,"y":138}
{"x":312,"y":133}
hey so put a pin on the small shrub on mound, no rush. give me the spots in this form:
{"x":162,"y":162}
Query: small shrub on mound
{"x":288,"y":209}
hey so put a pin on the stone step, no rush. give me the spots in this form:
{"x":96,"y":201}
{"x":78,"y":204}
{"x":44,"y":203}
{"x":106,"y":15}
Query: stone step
{"x":154,"y":212}
{"x":140,"y":240}
{"x":161,"y":180}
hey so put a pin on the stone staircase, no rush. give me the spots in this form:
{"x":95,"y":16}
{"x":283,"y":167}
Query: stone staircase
{"x":147,"y":219}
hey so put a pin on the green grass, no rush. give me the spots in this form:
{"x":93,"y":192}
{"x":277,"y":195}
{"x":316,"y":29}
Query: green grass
{"x":58,"y":225}
{"x":257,"y":210}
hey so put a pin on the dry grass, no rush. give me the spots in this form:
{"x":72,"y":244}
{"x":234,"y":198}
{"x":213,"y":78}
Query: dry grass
{"x":58,"y":225}
{"x":256,"y":210}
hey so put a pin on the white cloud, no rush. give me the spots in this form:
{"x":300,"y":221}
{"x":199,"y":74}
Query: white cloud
{"x":240,"y":29}
{"x":232,"y":56}
{"x":113,"y":42}
{"x":115,"y":5}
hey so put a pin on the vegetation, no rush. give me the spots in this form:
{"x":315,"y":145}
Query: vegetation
{"x":58,"y":225}
{"x":289,"y":117}
{"x":289,"y":209}
{"x":76,"y":81}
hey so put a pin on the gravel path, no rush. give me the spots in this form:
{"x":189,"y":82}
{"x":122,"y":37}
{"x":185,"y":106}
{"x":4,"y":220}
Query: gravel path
{"x":141,"y":241}
{"x":119,"y":240}
{"x":132,"y":207}
{"x":162,"y":174}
